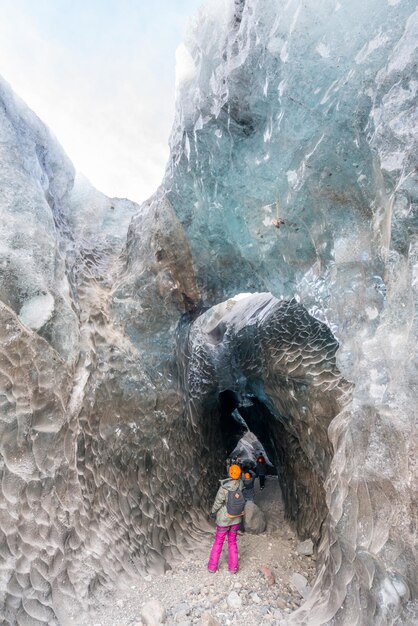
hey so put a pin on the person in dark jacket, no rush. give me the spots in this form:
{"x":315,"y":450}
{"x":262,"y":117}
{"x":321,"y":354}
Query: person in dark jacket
{"x":226,"y":526}
{"x":261,"y":470}
{"x":248,"y":479}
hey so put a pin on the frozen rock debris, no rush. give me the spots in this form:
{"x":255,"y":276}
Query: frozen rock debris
{"x":208,"y":619}
{"x":291,"y":182}
{"x":153,"y":613}
{"x":234,"y":600}
{"x":301,"y":584}
{"x":306,"y":547}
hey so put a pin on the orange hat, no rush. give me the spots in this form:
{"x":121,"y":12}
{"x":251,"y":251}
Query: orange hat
{"x":247,"y":475}
{"x":235,"y":471}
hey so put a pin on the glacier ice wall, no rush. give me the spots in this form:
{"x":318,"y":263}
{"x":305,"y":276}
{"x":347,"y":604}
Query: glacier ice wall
{"x":91,"y":414}
{"x":293,"y":170}
{"x":292,"y":173}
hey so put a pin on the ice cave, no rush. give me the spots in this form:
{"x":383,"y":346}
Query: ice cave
{"x":276,"y":264}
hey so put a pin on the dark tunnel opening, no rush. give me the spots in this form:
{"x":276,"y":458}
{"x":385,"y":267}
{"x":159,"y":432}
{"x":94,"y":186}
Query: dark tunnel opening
{"x":300,"y":482}
{"x":302,"y":487}
{"x":273,"y":367}
{"x":231,"y":430}
{"x":238,"y":416}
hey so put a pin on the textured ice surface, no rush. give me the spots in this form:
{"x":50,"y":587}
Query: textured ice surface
{"x":35,"y":180}
{"x":293,"y":170}
{"x":292,"y":181}
{"x":91,"y":418}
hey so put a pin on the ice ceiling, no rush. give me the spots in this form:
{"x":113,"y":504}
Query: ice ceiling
{"x":292,"y":177}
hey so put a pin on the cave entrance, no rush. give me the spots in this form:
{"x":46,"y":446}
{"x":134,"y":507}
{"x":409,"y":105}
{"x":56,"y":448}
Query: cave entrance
{"x":274,"y":436}
{"x":244,"y":427}
{"x":267,"y":365}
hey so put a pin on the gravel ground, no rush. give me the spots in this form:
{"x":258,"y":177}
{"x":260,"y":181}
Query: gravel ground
{"x":189,"y":592}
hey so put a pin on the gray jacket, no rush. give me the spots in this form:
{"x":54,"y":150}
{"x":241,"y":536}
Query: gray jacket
{"x":219,"y":506}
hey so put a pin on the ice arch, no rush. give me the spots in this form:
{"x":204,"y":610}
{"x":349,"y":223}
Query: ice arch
{"x":277,"y":353}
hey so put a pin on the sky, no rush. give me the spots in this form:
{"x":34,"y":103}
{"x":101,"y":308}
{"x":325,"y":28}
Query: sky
{"x":101,"y":75}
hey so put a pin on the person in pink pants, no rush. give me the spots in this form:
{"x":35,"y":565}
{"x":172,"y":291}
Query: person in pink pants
{"x":215,"y":553}
{"x":226,"y":525}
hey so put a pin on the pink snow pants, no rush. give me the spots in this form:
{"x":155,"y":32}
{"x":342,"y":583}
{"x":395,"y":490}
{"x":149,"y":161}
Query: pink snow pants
{"x":215,"y":554}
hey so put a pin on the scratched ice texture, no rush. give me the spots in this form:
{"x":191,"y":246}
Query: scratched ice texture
{"x":278,"y":261}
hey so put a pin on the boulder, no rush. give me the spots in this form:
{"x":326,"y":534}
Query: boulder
{"x":301,"y":584}
{"x":234,"y":600}
{"x":254,"y":519}
{"x":306,"y":548}
{"x":153,"y":613}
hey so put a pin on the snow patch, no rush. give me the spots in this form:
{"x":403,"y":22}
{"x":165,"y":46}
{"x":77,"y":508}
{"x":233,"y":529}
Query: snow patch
{"x":393,"y":161}
{"x":292,"y":178}
{"x":36,"y":311}
{"x":372,"y":312}
{"x":323,"y":50}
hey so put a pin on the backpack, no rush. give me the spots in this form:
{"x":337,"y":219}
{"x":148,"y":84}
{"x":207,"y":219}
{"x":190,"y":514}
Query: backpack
{"x":235,"y":503}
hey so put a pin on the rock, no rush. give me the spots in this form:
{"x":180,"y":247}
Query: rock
{"x":208,"y":619}
{"x":268,"y":575}
{"x":281,"y":604}
{"x":153,"y":613}
{"x":306,"y":548}
{"x":301,"y":584}
{"x":181,"y":610}
{"x":233,"y":600}
{"x":255,"y":598}
{"x":254,"y":519}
